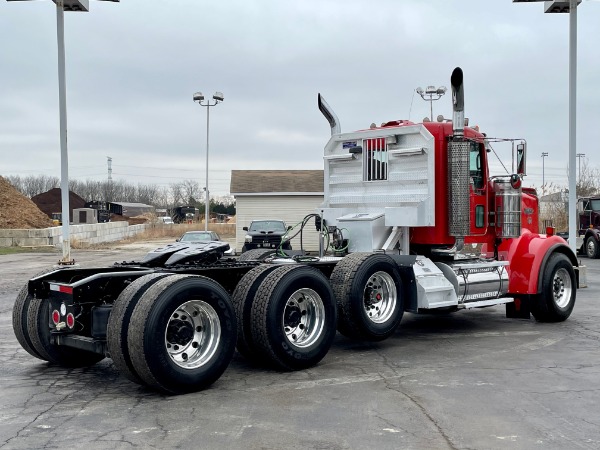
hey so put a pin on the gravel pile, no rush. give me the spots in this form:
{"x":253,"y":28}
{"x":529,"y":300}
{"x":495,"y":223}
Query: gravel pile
{"x":18,"y":211}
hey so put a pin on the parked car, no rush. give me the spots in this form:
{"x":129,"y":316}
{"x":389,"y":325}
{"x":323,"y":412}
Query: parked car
{"x":199,"y":236}
{"x":165,"y":220}
{"x":266,"y":234}
{"x":204,"y":236}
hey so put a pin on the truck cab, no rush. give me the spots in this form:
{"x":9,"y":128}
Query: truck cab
{"x":588,"y":236}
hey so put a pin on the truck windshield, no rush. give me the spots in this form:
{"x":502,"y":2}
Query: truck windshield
{"x":267,"y":225}
{"x":594,"y":205}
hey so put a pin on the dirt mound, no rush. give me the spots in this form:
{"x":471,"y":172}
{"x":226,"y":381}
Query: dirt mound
{"x":50,"y":202}
{"x":17,"y":211}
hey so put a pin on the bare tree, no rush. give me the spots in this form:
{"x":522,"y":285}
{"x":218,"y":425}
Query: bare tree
{"x":554,"y":208}
{"x":147,"y":193}
{"x":177,"y":194}
{"x":191,"y":190}
{"x":588,"y":180}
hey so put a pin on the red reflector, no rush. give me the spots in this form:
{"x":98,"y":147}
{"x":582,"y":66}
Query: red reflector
{"x":61,"y":288}
{"x":70,"y":320}
{"x":550,"y":231}
{"x":55,"y":317}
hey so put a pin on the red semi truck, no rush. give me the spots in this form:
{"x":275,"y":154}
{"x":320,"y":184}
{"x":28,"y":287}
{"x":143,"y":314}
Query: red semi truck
{"x":401,"y":200}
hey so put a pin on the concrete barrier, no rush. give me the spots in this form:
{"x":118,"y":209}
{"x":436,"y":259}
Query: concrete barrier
{"x":85,"y":233}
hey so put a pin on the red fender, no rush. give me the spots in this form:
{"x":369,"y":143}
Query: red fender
{"x":528,"y":256}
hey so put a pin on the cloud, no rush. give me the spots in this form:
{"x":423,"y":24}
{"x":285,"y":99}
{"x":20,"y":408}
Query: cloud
{"x":132,"y":68}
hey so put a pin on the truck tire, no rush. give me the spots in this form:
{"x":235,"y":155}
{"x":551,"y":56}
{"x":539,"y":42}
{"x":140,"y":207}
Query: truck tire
{"x":557,"y":297}
{"x":38,"y":328}
{"x":257,"y":254}
{"x":182,"y":334}
{"x":369,"y":294}
{"x":19,"y":318}
{"x":119,"y":322}
{"x":293,"y":317}
{"x":592,"y":249}
{"x":242,"y":300}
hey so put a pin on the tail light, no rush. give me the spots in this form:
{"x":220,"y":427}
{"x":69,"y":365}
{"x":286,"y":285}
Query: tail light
{"x":550,"y":231}
{"x":55,"y":317}
{"x":70,"y":320}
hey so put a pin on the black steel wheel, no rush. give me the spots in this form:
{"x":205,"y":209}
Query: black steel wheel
{"x":592,"y":249}
{"x":19,"y":318}
{"x":119,"y":322}
{"x":38,"y":328}
{"x":257,"y":254}
{"x":369,"y":294}
{"x":293,"y":317}
{"x":557,"y":298}
{"x":242,"y":300}
{"x":182,"y":334}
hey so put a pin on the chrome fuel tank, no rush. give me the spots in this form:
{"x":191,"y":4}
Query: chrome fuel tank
{"x":478,"y":280}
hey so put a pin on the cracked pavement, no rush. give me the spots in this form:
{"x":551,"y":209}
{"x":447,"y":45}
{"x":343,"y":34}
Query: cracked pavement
{"x":469,"y":380}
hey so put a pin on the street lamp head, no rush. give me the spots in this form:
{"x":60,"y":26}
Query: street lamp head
{"x":441,"y":90}
{"x":218,"y":96}
{"x":198,"y":97}
{"x":420,"y":91}
{"x":430,"y":90}
{"x":559,"y":6}
{"x":75,"y":5}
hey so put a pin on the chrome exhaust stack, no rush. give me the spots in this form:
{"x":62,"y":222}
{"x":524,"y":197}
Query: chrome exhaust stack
{"x":459,"y":217}
{"x":333,"y":120}
{"x":458,"y":102}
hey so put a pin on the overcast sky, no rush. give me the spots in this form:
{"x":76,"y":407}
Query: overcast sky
{"x":132,"y":68}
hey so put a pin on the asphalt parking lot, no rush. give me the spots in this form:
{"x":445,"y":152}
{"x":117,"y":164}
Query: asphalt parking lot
{"x":469,"y":380}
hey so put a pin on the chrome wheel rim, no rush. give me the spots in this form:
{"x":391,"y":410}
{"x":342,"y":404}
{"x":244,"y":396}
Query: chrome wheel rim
{"x":193,"y":334}
{"x":380,"y":297}
{"x":303,"y":318}
{"x":591,"y":248}
{"x":562,"y":288}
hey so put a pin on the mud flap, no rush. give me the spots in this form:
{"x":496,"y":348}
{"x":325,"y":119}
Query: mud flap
{"x":519,"y":309}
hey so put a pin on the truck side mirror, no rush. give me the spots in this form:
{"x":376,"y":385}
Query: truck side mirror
{"x":521,"y":158}
{"x":245,"y":228}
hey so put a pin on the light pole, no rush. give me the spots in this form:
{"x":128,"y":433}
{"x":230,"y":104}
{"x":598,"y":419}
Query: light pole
{"x":569,"y":6}
{"x":430,"y":94}
{"x":61,"y":7}
{"x":544,"y":154}
{"x":198,"y":97}
{"x":579,"y":156}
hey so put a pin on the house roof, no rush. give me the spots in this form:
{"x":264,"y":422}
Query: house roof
{"x":247,"y":182}
{"x":133,"y":205}
{"x":555,"y":197}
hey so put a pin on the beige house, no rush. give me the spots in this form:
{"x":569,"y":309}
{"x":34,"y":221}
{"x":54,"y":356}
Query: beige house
{"x":288,"y":195}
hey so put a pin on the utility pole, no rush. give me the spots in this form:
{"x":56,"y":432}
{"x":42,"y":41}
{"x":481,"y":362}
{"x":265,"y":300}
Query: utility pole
{"x":579,"y":156}
{"x":109,"y":161}
{"x":544,"y":154}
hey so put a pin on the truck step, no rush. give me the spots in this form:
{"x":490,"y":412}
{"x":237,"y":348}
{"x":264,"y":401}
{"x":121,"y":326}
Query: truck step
{"x":483,"y":303}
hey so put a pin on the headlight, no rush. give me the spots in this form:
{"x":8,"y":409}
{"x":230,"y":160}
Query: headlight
{"x":248,"y":238}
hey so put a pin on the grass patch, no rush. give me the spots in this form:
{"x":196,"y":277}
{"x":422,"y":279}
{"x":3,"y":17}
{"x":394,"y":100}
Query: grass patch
{"x":17,"y":250}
